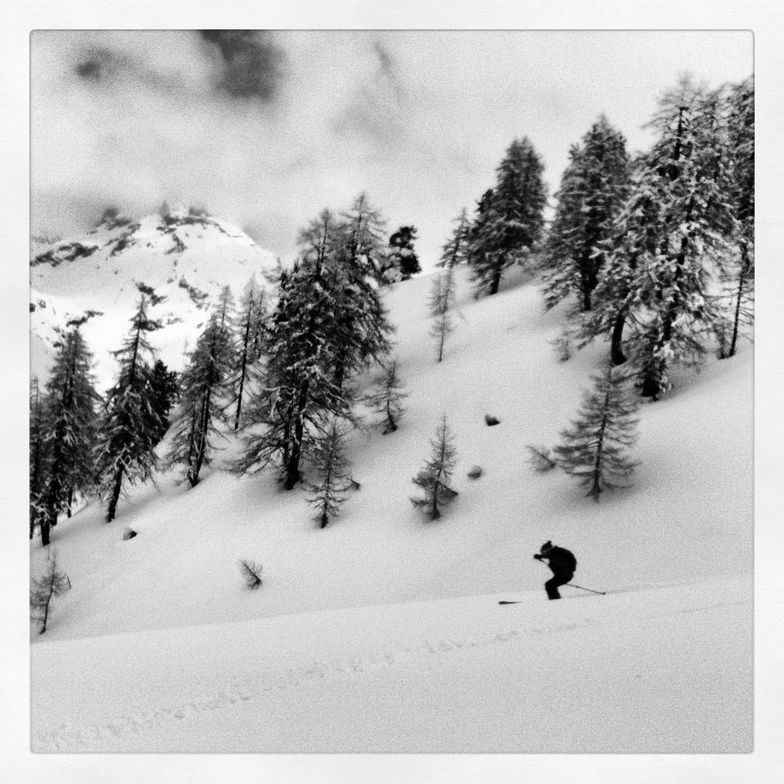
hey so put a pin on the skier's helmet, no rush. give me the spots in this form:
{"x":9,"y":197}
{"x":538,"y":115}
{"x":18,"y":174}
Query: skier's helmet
{"x":547,"y":546}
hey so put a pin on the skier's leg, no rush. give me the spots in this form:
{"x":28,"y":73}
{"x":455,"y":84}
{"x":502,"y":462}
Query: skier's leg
{"x":551,"y":586}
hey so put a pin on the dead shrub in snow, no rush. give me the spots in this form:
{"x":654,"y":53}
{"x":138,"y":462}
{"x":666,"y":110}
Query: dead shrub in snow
{"x":251,"y":573}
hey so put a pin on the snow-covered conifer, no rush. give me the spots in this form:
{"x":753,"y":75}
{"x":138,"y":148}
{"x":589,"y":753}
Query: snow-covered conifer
{"x":203,"y":392}
{"x":402,"y":259}
{"x":295,"y":392}
{"x":164,"y":391}
{"x":37,"y":454}
{"x":689,"y":166}
{"x":434,"y":478}
{"x":670,"y":234}
{"x":737,"y":272}
{"x":70,"y":427}
{"x":363,"y":247}
{"x":594,"y":448}
{"x":250,"y":327}
{"x":593,"y":188}
{"x":130,"y":424}
{"x":386,"y":397}
{"x":334,"y":473}
{"x":512,"y":222}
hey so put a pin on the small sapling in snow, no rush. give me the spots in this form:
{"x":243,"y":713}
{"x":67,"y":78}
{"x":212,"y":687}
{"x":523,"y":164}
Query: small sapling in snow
{"x":51,"y":583}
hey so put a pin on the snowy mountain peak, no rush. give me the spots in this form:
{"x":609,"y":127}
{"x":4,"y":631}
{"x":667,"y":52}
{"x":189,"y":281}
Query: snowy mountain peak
{"x":184,"y":255}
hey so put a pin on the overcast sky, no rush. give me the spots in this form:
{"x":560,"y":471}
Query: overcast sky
{"x":266,"y":129}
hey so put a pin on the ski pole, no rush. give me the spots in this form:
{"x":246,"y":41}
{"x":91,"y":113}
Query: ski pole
{"x":603,"y":593}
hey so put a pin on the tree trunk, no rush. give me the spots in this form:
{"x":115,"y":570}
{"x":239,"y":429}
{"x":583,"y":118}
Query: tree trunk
{"x":616,"y":345}
{"x":496,"y":280}
{"x":243,"y":368}
{"x":46,"y":613}
{"x":744,"y":250}
{"x":115,"y":497}
{"x":295,"y":455}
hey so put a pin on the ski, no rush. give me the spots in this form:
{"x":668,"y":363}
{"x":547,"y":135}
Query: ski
{"x":504,"y":602}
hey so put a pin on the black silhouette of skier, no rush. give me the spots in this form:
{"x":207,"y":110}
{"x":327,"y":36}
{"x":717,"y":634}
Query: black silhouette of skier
{"x":562,"y":562}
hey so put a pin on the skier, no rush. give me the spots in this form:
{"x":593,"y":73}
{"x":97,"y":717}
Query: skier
{"x":562,"y":562}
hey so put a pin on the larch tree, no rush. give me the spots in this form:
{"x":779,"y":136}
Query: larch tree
{"x":203,"y":399}
{"x":689,"y":169}
{"x":593,"y":188}
{"x":455,"y":249}
{"x":295,"y":393}
{"x":334,"y":473}
{"x":52,"y":582}
{"x":737,"y":273}
{"x":250,"y":326}
{"x":671,"y":235}
{"x":514,"y":218}
{"x":130,"y":424}
{"x":164,"y":392}
{"x":386,"y":396}
{"x":441,"y":302}
{"x":353,"y":269}
{"x":595,"y":448}
{"x":70,"y":418}
{"x":37,"y":455}
{"x":636,"y":237}
{"x":435,"y":477}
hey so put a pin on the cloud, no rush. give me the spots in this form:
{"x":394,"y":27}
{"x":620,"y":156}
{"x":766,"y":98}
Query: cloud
{"x":266,"y":129}
{"x":253,"y":65}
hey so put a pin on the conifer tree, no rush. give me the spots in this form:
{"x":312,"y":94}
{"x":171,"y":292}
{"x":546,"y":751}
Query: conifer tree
{"x":363,"y":247}
{"x":514,"y":218}
{"x":51,"y":583}
{"x":348,"y":252}
{"x":671,"y":233}
{"x":594,"y":448}
{"x":455,"y":250}
{"x":593,"y":188}
{"x":334,"y":472}
{"x":203,"y":395}
{"x":689,"y":168}
{"x":434,"y":478}
{"x":442,"y":299}
{"x":130,"y":424}
{"x":737,"y":273}
{"x":477,"y":246}
{"x":636,"y":237}
{"x":296,"y":394}
{"x":37,"y":454}
{"x":251,"y":328}
{"x":164,"y":391}
{"x":224,"y":310}
{"x":70,"y":420}
{"x":402,"y":259}
{"x":386,"y":397}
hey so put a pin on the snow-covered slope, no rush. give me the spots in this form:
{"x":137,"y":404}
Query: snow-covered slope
{"x":333,"y":652}
{"x":185,"y":257}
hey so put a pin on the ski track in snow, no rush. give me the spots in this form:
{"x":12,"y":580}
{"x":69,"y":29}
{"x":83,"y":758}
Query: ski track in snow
{"x":67,"y":738}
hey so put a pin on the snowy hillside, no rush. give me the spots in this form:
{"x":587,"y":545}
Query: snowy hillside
{"x":388,"y":625}
{"x":185,"y":257}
